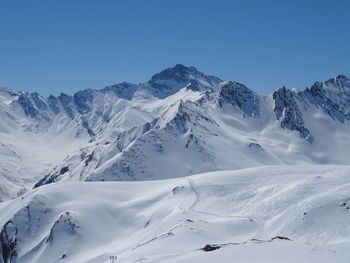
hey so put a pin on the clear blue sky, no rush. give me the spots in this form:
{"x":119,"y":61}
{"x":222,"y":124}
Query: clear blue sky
{"x":52,"y":46}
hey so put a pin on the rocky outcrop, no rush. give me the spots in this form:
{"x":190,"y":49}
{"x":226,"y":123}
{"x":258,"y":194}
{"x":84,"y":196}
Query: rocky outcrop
{"x":8,"y":240}
{"x":288,"y":113}
{"x":170,"y":80}
{"x":332,"y":96}
{"x":52,"y":177}
{"x":239,"y":96}
{"x":64,"y":225}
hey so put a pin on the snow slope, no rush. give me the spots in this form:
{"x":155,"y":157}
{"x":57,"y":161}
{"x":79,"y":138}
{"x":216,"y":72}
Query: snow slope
{"x":263,"y":214}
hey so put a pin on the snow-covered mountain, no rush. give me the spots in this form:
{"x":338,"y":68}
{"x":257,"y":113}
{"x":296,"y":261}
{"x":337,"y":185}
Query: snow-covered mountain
{"x":225,"y":127}
{"x":290,"y":205}
{"x":143,"y":131}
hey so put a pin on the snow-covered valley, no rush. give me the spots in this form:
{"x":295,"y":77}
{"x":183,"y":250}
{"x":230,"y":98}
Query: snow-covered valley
{"x":164,"y":170}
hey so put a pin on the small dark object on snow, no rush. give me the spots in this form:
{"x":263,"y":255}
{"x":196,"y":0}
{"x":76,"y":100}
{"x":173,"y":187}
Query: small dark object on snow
{"x":177,"y":188}
{"x":89,"y":158}
{"x":281,"y":237}
{"x":208,"y":248}
{"x":147,"y":223}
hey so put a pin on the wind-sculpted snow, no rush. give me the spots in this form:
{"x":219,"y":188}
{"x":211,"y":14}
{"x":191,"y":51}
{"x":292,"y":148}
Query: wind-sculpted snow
{"x":264,"y":214}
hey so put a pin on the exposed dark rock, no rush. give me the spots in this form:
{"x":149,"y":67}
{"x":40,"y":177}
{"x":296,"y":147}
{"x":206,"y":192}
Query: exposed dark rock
{"x":89,"y":158}
{"x":8,"y":239}
{"x":239,"y":96}
{"x":208,"y":248}
{"x":289,"y":114}
{"x":51,"y":177}
{"x":177,"y":188}
{"x":64,"y":170}
{"x":256,"y":146}
{"x":53,"y":104}
{"x":82,"y":100}
{"x":170,"y":80}
{"x":38,"y":101}
{"x":332,"y":96}
{"x":123,"y":90}
{"x":27,"y":106}
{"x":65,"y":223}
{"x":66,"y":102}
{"x":280,"y":237}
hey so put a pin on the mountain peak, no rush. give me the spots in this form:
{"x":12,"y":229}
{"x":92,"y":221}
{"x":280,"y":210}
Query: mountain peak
{"x":178,"y":73}
{"x":181,"y":67}
{"x":340,"y":81}
{"x":170,"y":80}
{"x":238,"y":95}
{"x":341,"y":76}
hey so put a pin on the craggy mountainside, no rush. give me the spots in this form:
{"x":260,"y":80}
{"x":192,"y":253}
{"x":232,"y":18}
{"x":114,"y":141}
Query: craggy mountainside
{"x":178,"y":123}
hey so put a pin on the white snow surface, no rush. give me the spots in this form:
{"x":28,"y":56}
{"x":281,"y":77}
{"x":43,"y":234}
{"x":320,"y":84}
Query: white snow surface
{"x":27,"y":153}
{"x":263,"y":214}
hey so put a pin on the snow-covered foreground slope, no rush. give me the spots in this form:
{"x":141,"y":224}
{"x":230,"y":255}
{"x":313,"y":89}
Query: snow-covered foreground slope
{"x":263,"y":214}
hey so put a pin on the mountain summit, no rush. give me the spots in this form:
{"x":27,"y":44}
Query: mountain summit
{"x":170,"y":80}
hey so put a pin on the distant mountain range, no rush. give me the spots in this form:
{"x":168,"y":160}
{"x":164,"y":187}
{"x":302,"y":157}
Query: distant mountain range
{"x":180,"y":122}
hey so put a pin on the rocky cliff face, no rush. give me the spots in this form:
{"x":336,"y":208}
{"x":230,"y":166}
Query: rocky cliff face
{"x":332,"y":96}
{"x":237,"y":95}
{"x":288,"y":112}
